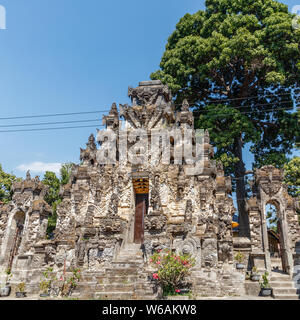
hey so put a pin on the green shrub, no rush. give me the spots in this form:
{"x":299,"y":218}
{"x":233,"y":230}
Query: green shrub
{"x":172,"y":269}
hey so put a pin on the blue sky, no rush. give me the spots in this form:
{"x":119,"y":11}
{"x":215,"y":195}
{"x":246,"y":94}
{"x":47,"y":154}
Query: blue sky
{"x":71,"y":56}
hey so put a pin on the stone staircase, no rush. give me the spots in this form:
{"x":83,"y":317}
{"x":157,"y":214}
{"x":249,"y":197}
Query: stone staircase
{"x":126,"y":279}
{"x":283,"y":286}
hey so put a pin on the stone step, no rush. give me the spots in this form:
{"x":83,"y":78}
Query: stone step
{"x":121,"y":270}
{"x":133,"y":262}
{"x":142,"y":293}
{"x":275,"y":259}
{"x":283,"y":290}
{"x":126,"y":264}
{"x":123,"y":296}
{"x":117,"y":278}
{"x":280,"y":278}
{"x":278,"y":284}
{"x":286,"y":297}
{"x":114,"y":295}
{"x":130,"y":256}
{"x":130,"y":253}
{"x":114,"y":288}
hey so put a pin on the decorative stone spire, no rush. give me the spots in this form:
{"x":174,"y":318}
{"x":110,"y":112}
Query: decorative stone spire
{"x":28,"y":176}
{"x":112,"y":119}
{"x":91,"y":142}
{"x":113,"y":110}
{"x":185,"y":105}
{"x":185,"y":116}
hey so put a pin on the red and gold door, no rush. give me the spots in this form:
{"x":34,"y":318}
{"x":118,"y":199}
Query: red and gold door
{"x":141,"y":187}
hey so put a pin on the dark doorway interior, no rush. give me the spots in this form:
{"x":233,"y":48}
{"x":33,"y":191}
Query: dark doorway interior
{"x":141,"y":209}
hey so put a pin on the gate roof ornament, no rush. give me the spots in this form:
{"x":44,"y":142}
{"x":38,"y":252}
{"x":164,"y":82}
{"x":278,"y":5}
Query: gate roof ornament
{"x":150,"y":93}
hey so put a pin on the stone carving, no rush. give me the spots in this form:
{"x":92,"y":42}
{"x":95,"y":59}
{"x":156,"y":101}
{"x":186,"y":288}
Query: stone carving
{"x":111,"y":225}
{"x":150,"y":93}
{"x":209,"y":253}
{"x":190,"y":246}
{"x":50,"y":253}
{"x":188,"y":210}
{"x":96,"y":219}
{"x":270,"y":179}
{"x":225,"y":251}
{"x":155,"y":222}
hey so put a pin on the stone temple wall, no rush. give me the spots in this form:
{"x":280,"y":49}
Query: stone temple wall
{"x":96,"y":218}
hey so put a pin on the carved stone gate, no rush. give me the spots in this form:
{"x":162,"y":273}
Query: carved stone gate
{"x":270,"y":189}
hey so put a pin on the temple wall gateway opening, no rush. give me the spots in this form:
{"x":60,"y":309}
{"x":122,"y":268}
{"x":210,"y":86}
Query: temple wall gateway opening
{"x":115,"y":214}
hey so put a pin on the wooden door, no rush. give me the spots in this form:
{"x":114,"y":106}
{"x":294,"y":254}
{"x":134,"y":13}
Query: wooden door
{"x":140,"y":212}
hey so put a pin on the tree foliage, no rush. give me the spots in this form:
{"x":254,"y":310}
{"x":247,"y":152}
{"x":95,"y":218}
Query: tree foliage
{"x":237,"y":63}
{"x":292,"y":176}
{"x":53,"y":197}
{"x":6,"y":181}
{"x":292,"y":179}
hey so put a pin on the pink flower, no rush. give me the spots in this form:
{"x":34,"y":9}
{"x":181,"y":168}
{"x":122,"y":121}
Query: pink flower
{"x":151,"y":260}
{"x":159,"y":250}
{"x":155,"y":276}
{"x":158,"y":262}
{"x":184,"y":262}
{"x":177,"y":290}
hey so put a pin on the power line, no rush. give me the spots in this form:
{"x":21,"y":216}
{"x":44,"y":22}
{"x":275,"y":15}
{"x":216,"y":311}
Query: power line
{"x":245,"y":98}
{"x":54,"y":115}
{"x":46,"y":123}
{"x":89,"y":112}
{"x":24,"y":130}
{"x":44,"y":129}
{"x":102,"y":111}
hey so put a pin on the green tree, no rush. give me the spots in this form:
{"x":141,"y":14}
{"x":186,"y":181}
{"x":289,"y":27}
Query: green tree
{"x":272,"y":218}
{"x":292,"y":176}
{"x":65,"y":172}
{"x":6,"y":181}
{"x":237,"y":63}
{"x":50,"y":179}
{"x":53,"y":197}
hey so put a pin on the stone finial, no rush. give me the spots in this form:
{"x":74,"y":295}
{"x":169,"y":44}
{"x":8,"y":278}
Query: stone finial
{"x":28,"y":176}
{"x":113,"y":109}
{"x":206,"y":136}
{"x":112,"y":119}
{"x":91,"y":142}
{"x":185,"y":105}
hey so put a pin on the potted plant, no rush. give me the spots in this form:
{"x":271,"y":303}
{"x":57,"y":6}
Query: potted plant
{"x":266,"y":290}
{"x":21,"y":290}
{"x":255,"y":276}
{"x":5,"y":291}
{"x":45,"y":287}
{"x":239,"y":257}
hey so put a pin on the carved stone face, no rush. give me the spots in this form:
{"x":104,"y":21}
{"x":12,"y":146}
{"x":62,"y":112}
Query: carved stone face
{"x":186,"y":249}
